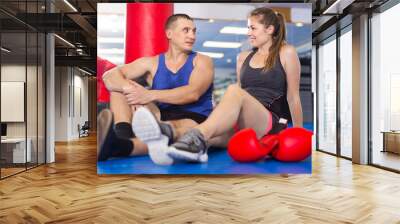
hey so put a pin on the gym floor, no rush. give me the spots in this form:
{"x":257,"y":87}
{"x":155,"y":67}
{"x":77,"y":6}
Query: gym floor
{"x":219,"y":162}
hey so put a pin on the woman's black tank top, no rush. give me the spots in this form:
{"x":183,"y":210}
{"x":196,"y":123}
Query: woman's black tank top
{"x":268,"y":87}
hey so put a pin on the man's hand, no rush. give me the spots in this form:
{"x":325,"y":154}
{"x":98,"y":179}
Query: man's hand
{"x":137,"y":95}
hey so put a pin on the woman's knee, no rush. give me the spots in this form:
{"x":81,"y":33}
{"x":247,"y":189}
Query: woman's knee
{"x":234,"y":89}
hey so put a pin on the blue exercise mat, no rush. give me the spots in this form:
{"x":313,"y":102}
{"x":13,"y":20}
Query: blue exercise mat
{"x":219,"y":162}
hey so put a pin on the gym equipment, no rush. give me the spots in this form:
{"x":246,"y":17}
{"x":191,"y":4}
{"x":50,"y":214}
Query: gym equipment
{"x":290,"y":145}
{"x":245,"y":147}
{"x":294,"y":145}
{"x":103,"y":96}
{"x":145,"y":34}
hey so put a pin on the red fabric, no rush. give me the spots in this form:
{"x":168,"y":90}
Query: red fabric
{"x":103,"y":96}
{"x":145,"y":35}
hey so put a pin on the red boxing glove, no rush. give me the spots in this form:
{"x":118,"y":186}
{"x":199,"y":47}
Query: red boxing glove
{"x":245,"y":147}
{"x":269,"y":142}
{"x":294,"y":145}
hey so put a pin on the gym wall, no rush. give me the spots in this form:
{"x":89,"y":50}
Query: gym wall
{"x":71,"y":102}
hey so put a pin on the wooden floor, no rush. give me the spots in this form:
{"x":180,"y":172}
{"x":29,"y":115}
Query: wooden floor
{"x":70,"y":191}
{"x":5,"y":172}
{"x":10,"y":171}
{"x":387,"y":159}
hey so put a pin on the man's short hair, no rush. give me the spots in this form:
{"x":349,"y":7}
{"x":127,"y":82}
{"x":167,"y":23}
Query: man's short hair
{"x":172,"y":19}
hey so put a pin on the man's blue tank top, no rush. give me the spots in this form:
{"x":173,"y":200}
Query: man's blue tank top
{"x":165,"y":79}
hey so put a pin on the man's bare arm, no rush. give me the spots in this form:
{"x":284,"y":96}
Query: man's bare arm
{"x":117,"y":78}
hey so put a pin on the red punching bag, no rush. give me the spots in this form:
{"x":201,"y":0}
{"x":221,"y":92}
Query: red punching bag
{"x":145,"y":35}
{"x":103,"y":65}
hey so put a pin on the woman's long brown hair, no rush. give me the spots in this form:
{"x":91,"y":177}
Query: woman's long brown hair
{"x":269,"y":17}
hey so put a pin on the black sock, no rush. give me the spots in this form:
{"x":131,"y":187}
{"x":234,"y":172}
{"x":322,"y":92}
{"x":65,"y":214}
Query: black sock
{"x":124,"y":130}
{"x":122,"y":147}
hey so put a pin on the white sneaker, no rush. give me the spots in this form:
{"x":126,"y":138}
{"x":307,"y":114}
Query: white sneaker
{"x":178,"y":154}
{"x":147,"y":129}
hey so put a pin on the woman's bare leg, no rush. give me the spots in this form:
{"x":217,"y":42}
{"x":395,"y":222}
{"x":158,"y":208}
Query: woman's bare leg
{"x":222,"y":140}
{"x":181,"y":126}
{"x":236,"y":106}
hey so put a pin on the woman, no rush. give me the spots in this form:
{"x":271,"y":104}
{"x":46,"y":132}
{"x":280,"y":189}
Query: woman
{"x":268,"y":79}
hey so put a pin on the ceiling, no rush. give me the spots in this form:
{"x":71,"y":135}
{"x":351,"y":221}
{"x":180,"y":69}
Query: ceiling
{"x":77,"y":27}
{"x":80,"y":27}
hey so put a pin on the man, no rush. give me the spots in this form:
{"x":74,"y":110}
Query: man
{"x":181,"y":93}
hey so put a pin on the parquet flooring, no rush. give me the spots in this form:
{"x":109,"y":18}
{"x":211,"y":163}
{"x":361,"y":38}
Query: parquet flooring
{"x":70,"y":191}
{"x":9,"y":171}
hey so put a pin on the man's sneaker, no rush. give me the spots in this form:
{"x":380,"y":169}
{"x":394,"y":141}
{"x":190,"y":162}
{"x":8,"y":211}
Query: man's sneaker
{"x":190,"y":147}
{"x":105,"y":134}
{"x":166,"y":129}
{"x":148,"y":130}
